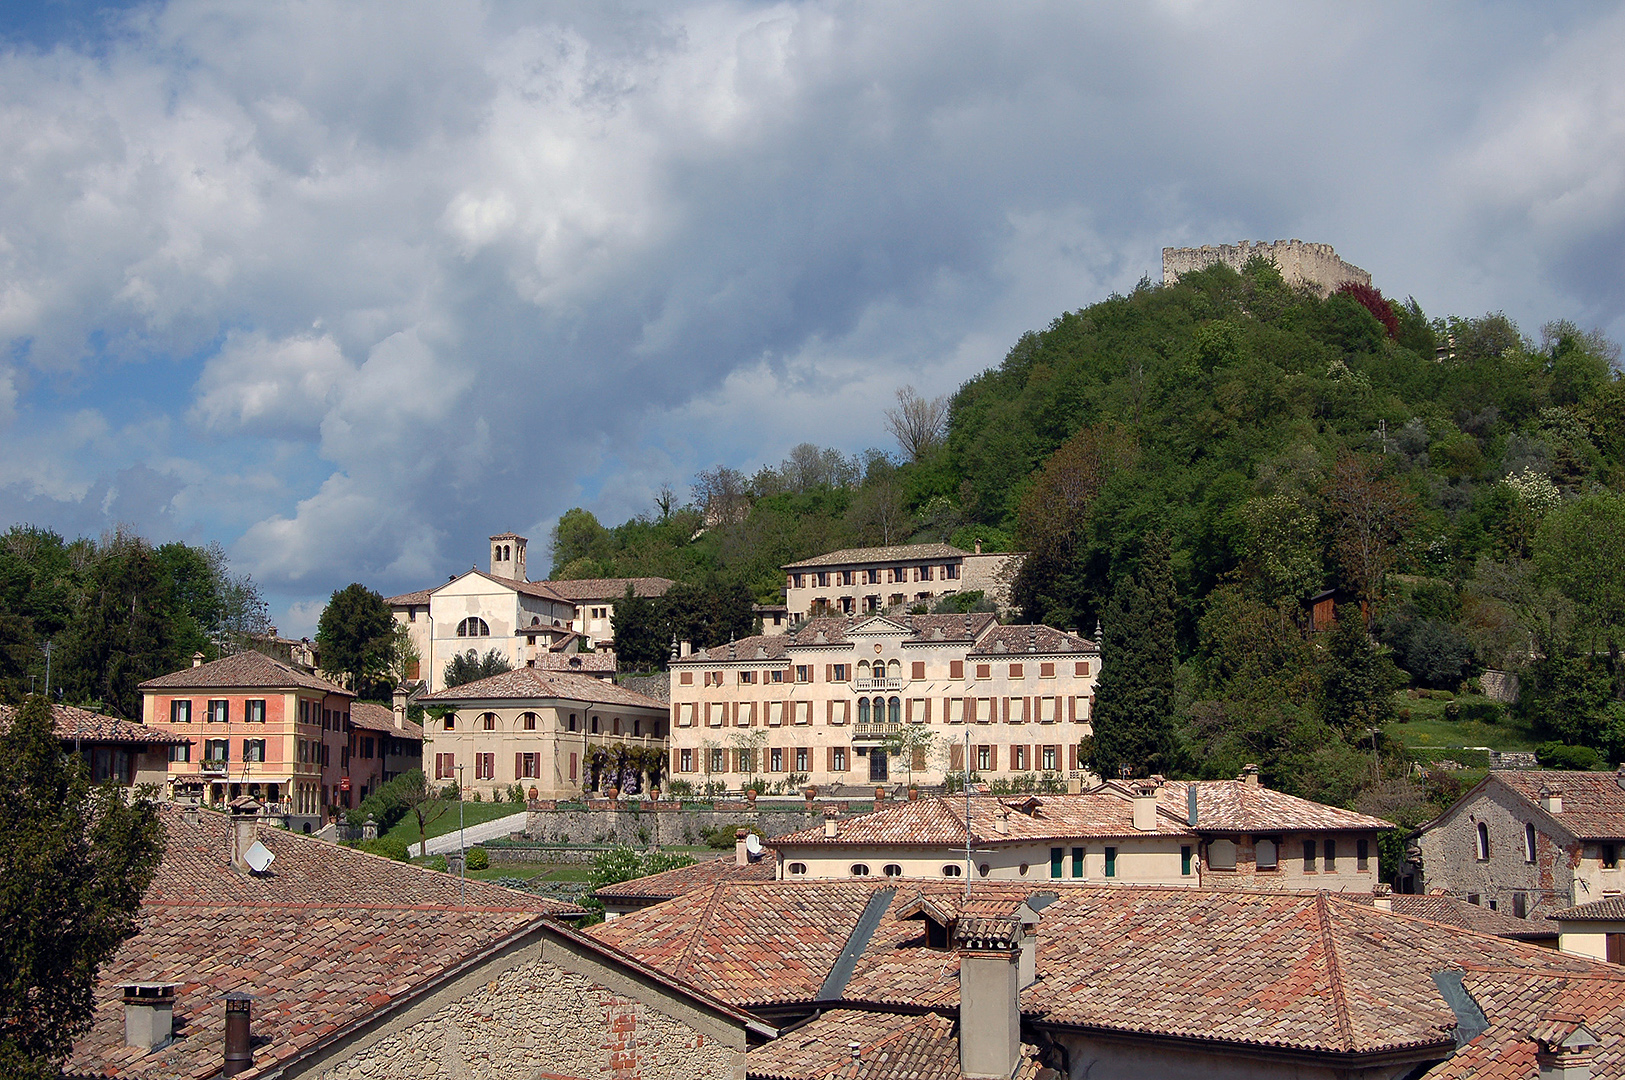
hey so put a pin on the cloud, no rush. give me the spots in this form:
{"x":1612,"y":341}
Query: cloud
{"x":358,"y":284}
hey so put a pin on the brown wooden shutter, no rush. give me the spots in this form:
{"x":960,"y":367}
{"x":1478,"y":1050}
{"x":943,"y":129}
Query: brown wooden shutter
{"x":1006,"y":710}
{"x":993,"y":758}
{"x":829,"y":672}
{"x":1072,"y":756}
{"x":829,"y":756}
{"x":908,"y":710}
{"x":518,"y":766}
{"x":1072,"y":708}
{"x":919,"y":669}
{"x":956,"y":669}
{"x":956,"y":756}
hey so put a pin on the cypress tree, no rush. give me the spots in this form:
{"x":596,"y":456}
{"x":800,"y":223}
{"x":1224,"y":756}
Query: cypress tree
{"x":1134,"y":696}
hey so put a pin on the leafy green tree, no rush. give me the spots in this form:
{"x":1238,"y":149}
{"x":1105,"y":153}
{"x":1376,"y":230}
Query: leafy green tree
{"x":417,"y":796}
{"x":637,"y":625}
{"x":1134,"y":711}
{"x":1568,"y":696}
{"x":1358,"y":678}
{"x":581,"y":546}
{"x":75,"y":861}
{"x":1580,"y":550}
{"x":710,"y":613}
{"x":356,"y":634}
{"x":1370,"y":513}
{"x":470,"y":666}
{"x":125,"y":629}
{"x":911,"y":741}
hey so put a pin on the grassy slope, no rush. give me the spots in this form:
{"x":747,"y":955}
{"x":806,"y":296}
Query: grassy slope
{"x":406,"y":829}
{"x":1428,"y":729}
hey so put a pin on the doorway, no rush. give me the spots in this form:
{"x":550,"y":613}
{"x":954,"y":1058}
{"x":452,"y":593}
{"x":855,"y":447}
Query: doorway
{"x":877,"y":765}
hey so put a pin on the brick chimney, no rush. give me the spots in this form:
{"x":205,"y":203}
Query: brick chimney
{"x":741,"y":853}
{"x":1249,"y":775}
{"x":989,"y":988}
{"x":1382,"y":897}
{"x":197,"y":659}
{"x":245,"y":814}
{"x":149,"y":1014}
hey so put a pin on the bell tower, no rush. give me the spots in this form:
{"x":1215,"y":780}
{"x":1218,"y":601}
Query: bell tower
{"x":508,"y":556}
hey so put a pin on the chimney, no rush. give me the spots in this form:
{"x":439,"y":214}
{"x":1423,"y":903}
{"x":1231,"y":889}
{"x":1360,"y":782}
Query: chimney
{"x":989,"y":988}
{"x":1190,"y":804}
{"x":741,"y":854}
{"x":1382,"y":897}
{"x":685,"y":649}
{"x":978,"y":546}
{"x":1145,"y":807}
{"x":1551,"y":800}
{"x":239,"y":1054}
{"x":245,"y":812}
{"x":1001,"y":824}
{"x":397,"y":705}
{"x":190,"y":813}
{"x":149,"y":1014}
{"x":1564,"y":1047}
{"x":832,"y":828}
{"x":1619,"y":777}
{"x":197,"y":659}
{"x":1249,"y":775}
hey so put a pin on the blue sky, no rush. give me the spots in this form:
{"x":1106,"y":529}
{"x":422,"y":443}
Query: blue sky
{"x":350,"y":286}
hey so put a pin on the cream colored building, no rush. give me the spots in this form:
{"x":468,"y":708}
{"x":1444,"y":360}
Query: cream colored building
{"x":1596,"y":929}
{"x":527,"y":622}
{"x":1211,"y":832}
{"x":538,"y":729}
{"x":864,"y":581}
{"x":817,"y":705}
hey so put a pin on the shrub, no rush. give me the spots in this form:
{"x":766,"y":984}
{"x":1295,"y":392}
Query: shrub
{"x":720,"y":837}
{"x":1404,"y":716}
{"x":1482,"y":710}
{"x":679,"y":788}
{"x":1452,"y":710}
{"x":1556,"y":755}
{"x":436,"y":862}
{"x":478,"y":859}
{"x":516,"y":794}
{"x":476,"y":796}
{"x":388,"y":846}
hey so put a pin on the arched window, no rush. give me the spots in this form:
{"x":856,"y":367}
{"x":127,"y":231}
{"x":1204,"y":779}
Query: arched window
{"x":617,"y":726}
{"x":488,"y":722}
{"x":894,"y":711}
{"x":952,"y":869}
{"x":1483,"y":842}
{"x":863,"y":710}
{"x":894,"y":669}
{"x":797,"y":869}
{"x":450,"y":722}
{"x":472,"y":627}
{"x":880,"y":710}
{"x":507,"y":552}
{"x":860,"y":869}
{"x":1528,"y":842}
{"x":530,"y":721}
{"x":863,"y":669}
{"x":892,"y":869}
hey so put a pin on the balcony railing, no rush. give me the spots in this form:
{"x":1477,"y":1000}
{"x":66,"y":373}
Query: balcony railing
{"x":874,"y":732}
{"x":214,"y":767}
{"x":877,"y":684}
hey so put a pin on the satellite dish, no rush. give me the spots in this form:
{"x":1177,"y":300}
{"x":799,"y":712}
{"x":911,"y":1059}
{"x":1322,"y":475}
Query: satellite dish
{"x":258,"y":857}
{"x":753,"y":845}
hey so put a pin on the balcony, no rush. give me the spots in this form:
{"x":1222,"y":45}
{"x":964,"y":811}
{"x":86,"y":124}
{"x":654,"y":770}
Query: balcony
{"x":873,"y":732}
{"x":877,"y":684}
{"x":214,"y":767}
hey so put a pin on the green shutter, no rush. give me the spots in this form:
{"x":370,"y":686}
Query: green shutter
{"x":1056,"y":855}
{"x":1111,"y":862}
{"x":1077,"y":862}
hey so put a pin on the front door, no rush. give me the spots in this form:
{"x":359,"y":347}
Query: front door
{"x":877,"y":765}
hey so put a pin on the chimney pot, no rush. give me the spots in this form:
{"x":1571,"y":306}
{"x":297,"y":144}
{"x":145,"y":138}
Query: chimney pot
{"x":1002,"y":823}
{"x":1551,"y":800}
{"x":832,"y":827}
{"x":989,"y":991}
{"x":245,"y":811}
{"x":741,"y":853}
{"x":149,"y":1014}
{"x":197,"y":659}
{"x":239,"y":1052}
{"x":1249,"y":775}
{"x":1383,"y":897}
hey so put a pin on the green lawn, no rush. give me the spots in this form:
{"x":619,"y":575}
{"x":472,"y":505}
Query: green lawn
{"x":406,"y":829}
{"x":1428,"y":729}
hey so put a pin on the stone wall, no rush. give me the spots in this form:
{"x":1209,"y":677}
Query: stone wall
{"x":537,"y":1019}
{"x":1315,"y":265}
{"x":667,"y":827}
{"x":1450,"y":861}
{"x":657,"y":685}
{"x":992,"y":574}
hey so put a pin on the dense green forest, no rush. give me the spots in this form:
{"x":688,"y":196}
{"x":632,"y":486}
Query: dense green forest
{"x":1458,"y":478}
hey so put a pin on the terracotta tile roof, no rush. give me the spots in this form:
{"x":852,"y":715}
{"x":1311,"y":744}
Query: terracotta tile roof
{"x":1012,"y":641}
{"x":1223,"y":806}
{"x":244,"y":669}
{"x":72,"y":722}
{"x":894,"y":553}
{"x":322,"y":940}
{"x":813,"y":633}
{"x":524,"y":684}
{"x":1519,"y":1004}
{"x":371,"y":716}
{"x":1593,"y":802}
{"x":890,"y":1046}
{"x":1308,"y":971}
{"x":409,"y":599}
{"x":1459,"y":913}
{"x":1608,"y":909}
{"x":610,"y":589}
{"x":669,"y":884}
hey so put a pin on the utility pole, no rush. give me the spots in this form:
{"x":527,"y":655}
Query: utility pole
{"x":47,"y":668}
{"x":462,"y":846}
{"x":967,"y":812}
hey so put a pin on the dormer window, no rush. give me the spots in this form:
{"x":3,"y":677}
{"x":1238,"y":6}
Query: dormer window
{"x":892,"y":870}
{"x":952,"y":870}
{"x":860,"y":869}
{"x":797,"y":869}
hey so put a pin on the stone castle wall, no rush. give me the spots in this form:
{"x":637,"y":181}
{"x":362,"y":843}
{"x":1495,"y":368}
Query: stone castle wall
{"x":1315,"y":265}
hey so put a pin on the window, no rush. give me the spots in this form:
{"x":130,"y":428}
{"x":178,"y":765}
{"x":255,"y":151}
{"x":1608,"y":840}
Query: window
{"x":685,"y":761}
{"x":219,"y":712}
{"x":719,"y":761}
{"x":984,"y":758}
{"x":956,"y":669}
{"x":1483,"y":842}
{"x":1057,"y":859}
{"x":803,"y":673}
{"x":823,"y":579}
{"x":1018,"y":758}
{"x":892,"y":869}
{"x":254,"y":750}
{"x":952,"y":870}
{"x":859,"y":869}
{"x":685,"y":678}
{"x":529,"y":721}
{"x":254,"y":710}
{"x":777,"y":676}
{"x":1473,"y":898}
{"x":1329,"y":855}
{"x":1046,"y":671}
{"x":984,"y":671}
{"x":527,"y":766}
{"x":216,"y":750}
{"x":839,"y":672}
{"x":797,"y":869}
{"x":573,"y":720}
{"x":775,"y":759}
{"x":1221,"y":855}
{"x":801,"y":759}
{"x":1077,"y":862}
{"x":181,"y":752}
{"x":863,"y":710}
{"x":1528,"y":842}
{"x":445,"y":766}
{"x":485,"y":766}
{"x":449,"y":723}
{"x":747,"y":677}
{"x":1362,"y":854}
{"x":472,"y":627}
{"x":180,"y":712}
{"x":1111,"y":862}
{"x":1185,"y":861}
{"x":894,"y":711}
{"x":837,"y":759}
{"x":1309,"y":856}
{"x":1610,"y":857}
{"x":798,"y":581}
{"x":1520,"y":905}
{"x":1047,"y":762}
{"x":1081,"y":668}
{"x":1015,"y":671}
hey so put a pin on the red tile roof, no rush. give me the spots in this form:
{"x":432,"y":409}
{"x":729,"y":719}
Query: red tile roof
{"x":1453,"y":912}
{"x":1306,"y":971}
{"x":815,"y":633}
{"x":890,"y":1046}
{"x":526,"y":684}
{"x":1518,"y":1004}
{"x":669,"y":884}
{"x":609,"y":589}
{"x":324,"y":939}
{"x":1011,"y":642}
{"x":576,"y":661}
{"x":1223,"y":806}
{"x":371,"y":716}
{"x":1608,"y":909}
{"x":247,"y":670}
{"x":870,"y":555}
{"x":1593,"y":802}
{"x":410,"y":598}
{"x":72,"y":722}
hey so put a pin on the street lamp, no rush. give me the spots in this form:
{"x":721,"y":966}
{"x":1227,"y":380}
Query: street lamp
{"x":462,"y":847}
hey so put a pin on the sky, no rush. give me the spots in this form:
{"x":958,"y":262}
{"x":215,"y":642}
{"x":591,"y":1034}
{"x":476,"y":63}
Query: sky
{"x":349,"y":287}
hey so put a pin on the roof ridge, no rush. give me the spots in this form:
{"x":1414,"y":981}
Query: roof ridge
{"x":700,"y":924}
{"x":1334,"y":973}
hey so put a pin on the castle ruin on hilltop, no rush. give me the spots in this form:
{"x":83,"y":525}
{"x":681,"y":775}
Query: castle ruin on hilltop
{"x":1315,"y":265}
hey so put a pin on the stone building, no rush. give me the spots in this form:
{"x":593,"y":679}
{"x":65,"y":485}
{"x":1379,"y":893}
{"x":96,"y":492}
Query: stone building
{"x":1314,"y":265}
{"x":534,"y":728}
{"x":1526,"y":840}
{"x":334,"y":964}
{"x":819,"y":704}
{"x":1230,"y":833}
{"x":893,"y":579}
